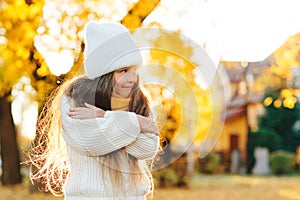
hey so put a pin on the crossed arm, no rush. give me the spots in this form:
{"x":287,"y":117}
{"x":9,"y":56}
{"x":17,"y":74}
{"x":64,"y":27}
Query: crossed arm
{"x":95,"y":132}
{"x":90,"y":111}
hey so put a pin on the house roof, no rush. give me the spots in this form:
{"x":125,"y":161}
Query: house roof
{"x":237,"y":105}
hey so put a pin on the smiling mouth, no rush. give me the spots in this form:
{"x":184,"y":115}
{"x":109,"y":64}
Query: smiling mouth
{"x":127,"y":87}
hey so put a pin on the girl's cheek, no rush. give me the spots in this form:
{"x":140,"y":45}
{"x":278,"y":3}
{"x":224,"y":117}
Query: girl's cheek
{"x":118,"y":77}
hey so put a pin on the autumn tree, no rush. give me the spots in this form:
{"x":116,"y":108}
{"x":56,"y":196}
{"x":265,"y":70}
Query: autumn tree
{"x":283,"y":66}
{"x":282,"y":91}
{"x":174,"y":68}
{"x":280,"y":84}
{"x":282,"y":103}
{"x":19,"y":20}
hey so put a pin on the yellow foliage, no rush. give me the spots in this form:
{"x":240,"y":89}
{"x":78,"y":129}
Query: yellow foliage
{"x":277,"y":103}
{"x":20,"y":22}
{"x":23,"y":23}
{"x":289,"y":102}
{"x":138,"y":13}
{"x":268,"y":101}
{"x":285,"y":93}
{"x":166,"y":109}
{"x":285,"y":58}
{"x":192,"y":113}
{"x":43,"y":70}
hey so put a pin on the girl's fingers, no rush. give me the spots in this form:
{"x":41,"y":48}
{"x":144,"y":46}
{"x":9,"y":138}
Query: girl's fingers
{"x":78,"y":109}
{"x":73,"y":109}
{"x":71,"y":114}
{"x":87,"y":112}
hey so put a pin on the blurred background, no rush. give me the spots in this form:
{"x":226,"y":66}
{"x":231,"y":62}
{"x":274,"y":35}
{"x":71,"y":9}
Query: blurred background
{"x":236,"y":136}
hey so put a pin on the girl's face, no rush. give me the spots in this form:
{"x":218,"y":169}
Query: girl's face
{"x":124,"y":81}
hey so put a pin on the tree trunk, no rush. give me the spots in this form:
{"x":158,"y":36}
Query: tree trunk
{"x":9,"y":148}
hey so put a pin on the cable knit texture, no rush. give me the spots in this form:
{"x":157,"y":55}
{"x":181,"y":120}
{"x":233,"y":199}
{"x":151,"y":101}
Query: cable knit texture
{"x":87,"y":140}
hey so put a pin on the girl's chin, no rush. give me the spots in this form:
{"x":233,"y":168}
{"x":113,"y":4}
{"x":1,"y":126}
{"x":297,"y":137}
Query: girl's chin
{"x":125,"y":95}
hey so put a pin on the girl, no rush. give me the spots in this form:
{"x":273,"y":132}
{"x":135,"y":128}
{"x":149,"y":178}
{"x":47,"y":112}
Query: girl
{"x":103,"y":120}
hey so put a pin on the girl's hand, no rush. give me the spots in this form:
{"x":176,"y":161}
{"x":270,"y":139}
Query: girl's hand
{"x":147,"y":125}
{"x":87,"y":112}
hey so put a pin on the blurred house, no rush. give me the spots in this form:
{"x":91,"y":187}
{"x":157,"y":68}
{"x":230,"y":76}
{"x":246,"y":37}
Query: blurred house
{"x":242,"y":110}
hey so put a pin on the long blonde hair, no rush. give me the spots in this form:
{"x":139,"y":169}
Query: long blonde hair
{"x":48,"y":157}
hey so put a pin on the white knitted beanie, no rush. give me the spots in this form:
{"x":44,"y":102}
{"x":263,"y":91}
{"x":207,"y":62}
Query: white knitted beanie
{"x":108,"y":47}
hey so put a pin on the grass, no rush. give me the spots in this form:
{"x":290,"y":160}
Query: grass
{"x":214,"y":187}
{"x":236,"y":187}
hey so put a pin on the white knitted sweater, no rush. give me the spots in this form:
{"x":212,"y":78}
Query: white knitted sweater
{"x":88,"y":139}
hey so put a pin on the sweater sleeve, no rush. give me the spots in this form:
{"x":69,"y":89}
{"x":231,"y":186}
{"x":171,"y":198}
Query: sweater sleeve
{"x":99,"y":136}
{"x":144,"y":147}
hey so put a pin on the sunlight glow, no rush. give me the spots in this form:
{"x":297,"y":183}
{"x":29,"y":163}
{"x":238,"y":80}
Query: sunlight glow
{"x":60,"y":62}
{"x":24,"y":110}
{"x":233,"y":30}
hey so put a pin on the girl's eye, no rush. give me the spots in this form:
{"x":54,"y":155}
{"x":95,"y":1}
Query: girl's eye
{"x":123,"y":71}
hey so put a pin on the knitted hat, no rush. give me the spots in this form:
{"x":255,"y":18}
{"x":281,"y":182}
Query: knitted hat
{"x":109,"y":46}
